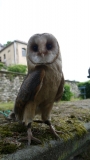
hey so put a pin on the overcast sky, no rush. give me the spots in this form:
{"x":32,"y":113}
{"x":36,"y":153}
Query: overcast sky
{"x":67,"y":20}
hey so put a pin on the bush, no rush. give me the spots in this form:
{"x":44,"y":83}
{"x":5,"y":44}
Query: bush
{"x":18,"y":68}
{"x":67,"y":94}
{"x":2,"y":66}
{"x":87,"y":85}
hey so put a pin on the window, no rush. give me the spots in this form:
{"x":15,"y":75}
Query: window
{"x":23,"y":52}
{"x":4,"y":56}
{"x":0,"y":59}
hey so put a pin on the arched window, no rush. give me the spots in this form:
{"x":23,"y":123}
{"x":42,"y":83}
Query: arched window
{"x":4,"y":56}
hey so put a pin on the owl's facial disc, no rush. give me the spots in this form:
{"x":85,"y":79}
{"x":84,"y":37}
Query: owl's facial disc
{"x":42,"y":50}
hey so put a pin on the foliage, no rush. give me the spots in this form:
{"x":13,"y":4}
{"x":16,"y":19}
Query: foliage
{"x":67,"y":94}
{"x":2,"y":65}
{"x":18,"y":68}
{"x":87,"y":85}
{"x":8,"y":42}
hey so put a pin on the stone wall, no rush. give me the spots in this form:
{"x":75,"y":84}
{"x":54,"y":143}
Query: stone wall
{"x":10,"y":83}
{"x":73,"y":87}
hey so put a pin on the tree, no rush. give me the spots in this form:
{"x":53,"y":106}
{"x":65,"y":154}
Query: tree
{"x":8,"y":42}
{"x":87,"y":86}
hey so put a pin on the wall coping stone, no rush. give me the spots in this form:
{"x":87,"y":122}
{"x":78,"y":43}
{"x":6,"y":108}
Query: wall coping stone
{"x":55,"y":150}
{"x":8,"y":72}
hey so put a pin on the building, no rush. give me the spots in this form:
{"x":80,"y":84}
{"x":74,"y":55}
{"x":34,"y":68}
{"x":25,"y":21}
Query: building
{"x":14,"y":53}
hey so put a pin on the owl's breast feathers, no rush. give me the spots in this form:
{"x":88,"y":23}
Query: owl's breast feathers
{"x":29,"y":89}
{"x":39,"y":85}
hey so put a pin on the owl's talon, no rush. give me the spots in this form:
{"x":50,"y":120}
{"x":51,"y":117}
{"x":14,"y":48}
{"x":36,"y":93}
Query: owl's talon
{"x":22,"y":139}
{"x":60,"y":132}
{"x":36,"y":140}
{"x":30,"y":138}
{"x":55,"y":132}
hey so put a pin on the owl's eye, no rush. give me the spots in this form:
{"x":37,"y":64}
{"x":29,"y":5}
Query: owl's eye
{"x":35,"y":47}
{"x":49,"y":46}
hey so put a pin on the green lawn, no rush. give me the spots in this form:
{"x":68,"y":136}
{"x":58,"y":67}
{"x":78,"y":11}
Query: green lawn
{"x":10,"y":105}
{"x":6,"y":106}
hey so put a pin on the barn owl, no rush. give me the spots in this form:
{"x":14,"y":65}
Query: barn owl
{"x":43,"y":84}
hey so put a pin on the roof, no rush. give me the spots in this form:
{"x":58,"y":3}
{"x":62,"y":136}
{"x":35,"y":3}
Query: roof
{"x":18,"y":41}
{"x":1,"y":45}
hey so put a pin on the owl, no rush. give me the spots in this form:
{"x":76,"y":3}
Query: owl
{"x":43,"y":84}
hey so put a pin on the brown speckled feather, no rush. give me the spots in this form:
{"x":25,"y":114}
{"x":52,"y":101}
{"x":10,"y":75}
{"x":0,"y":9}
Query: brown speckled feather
{"x":60,"y":89}
{"x":29,"y":90}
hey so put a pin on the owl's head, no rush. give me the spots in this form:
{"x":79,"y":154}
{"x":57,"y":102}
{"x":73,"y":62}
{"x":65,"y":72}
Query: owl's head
{"x":42,"y":49}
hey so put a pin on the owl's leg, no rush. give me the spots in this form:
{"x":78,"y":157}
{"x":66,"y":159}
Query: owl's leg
{"x":30,"y":135}
{"x":28,"y":117}
{"x":46,"y":119}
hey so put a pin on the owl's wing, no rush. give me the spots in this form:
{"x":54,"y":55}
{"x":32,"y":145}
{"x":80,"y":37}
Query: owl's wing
{"x":60,"y":89}
{"x":29,"y":89}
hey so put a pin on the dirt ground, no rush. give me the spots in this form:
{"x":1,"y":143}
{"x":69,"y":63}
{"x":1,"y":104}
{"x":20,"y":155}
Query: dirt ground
{"x":65,"y":109}
{"x":79,"y":109}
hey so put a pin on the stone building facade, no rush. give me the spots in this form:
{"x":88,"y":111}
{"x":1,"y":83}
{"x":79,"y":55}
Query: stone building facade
{"x":14,"y":53}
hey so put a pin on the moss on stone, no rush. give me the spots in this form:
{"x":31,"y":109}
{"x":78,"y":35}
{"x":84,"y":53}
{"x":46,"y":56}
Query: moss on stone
{"x":18,"y":127}
{"x":7,"y":148}
{"x":5,"y":131}
{"x":68,"y":119}
{"x":68,"y":128}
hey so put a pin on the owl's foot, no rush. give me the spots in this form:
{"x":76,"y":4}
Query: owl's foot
{"x":30,"y":138}
{"x":53,"y":130}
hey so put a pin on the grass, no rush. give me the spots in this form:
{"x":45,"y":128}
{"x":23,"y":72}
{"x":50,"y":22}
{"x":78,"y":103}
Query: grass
{"x":6,"y":106}
{"x":9,"y":105}
{"x":76,"y":99}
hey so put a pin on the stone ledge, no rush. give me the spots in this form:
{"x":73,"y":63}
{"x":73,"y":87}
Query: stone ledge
{"x":9,"y":72}
{"x":55,"y":150}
